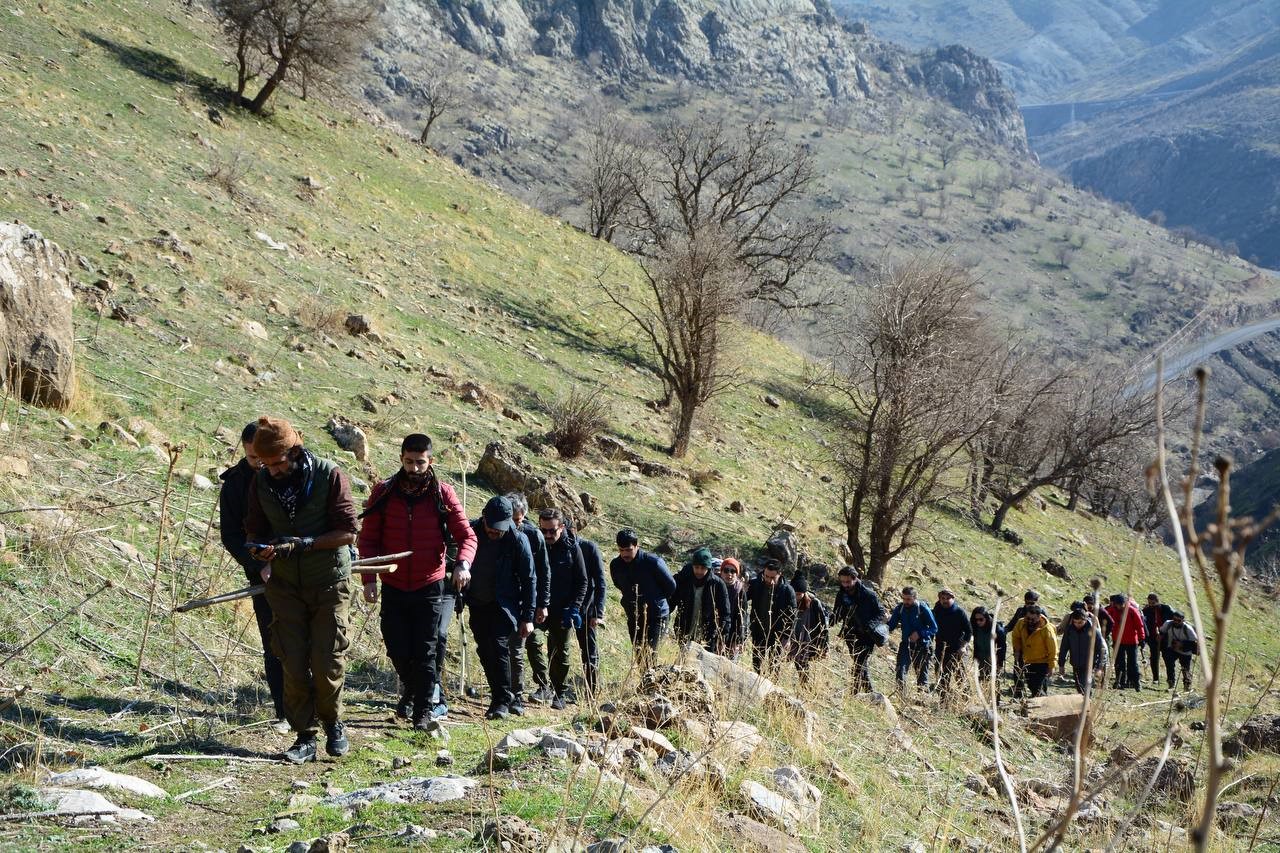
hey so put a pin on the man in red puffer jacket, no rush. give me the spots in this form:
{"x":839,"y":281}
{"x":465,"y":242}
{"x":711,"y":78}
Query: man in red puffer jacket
{"x":413,"y":511}
{"x":1127,"y":634}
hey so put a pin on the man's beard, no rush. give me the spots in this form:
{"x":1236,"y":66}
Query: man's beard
{"x":288,"y":472}
{"x":416,"y":479}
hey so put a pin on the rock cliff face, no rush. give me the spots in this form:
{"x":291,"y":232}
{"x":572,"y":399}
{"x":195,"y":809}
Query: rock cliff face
{"x":740,"y":44}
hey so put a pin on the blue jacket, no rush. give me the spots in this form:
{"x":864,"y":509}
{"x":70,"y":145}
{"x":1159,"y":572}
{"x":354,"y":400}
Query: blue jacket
{"x":646,"y":578}
{"x":918,"y":619}
{"x":514,"y":578}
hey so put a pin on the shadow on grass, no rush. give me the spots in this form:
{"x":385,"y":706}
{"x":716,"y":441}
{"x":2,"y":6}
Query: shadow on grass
{"x":165,"y":69}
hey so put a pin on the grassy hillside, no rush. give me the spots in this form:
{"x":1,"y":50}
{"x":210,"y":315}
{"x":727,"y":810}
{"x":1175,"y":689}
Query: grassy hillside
{"x":111,"y":147}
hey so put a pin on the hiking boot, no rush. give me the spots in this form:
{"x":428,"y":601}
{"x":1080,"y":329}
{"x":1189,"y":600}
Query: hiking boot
{"x":497,"y":712}
{"x":542,"y":694}
{"x":281,"y":726}
{"x":516,"y":708}
{"x":404,"y":707}
{"x":439,"y":710}
{"x":335,"y":739}
{"x":302,"y":751}
{"x":570,"y":695}
{"x":557,"y":703}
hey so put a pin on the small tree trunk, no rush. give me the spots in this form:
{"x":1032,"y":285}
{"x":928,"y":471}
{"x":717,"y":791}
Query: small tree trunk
{"x":997,"y":520}
{"x":259,"y":101}
{"x":426,"y":128}
{"x":683,"y":429}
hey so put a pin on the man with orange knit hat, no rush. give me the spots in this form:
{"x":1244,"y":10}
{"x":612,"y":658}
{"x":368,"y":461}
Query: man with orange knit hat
{"x":301,"y":520}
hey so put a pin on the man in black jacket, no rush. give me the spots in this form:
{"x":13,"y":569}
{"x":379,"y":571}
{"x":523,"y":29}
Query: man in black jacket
{"x":533,"y":643}
{"x":701,"y":604}
{"x":233,"y":504}
{"x":858,"y":614}
{"x":592,"y":612}
{"x":501,"y":594}
{"x":568,"y":575}
{"x":953,"y":635}
{"x":1154,"y":617}
{"x":773,"y":610}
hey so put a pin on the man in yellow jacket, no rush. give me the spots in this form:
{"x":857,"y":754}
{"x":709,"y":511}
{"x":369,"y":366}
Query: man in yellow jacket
{"x":1036,"y":645}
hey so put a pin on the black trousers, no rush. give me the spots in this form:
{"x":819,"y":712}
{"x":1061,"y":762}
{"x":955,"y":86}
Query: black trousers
{"x":492,"y":627}
{"x":270,"y":663}
{"x":861,"y":665}
{"x":1184,"y":660}
{"x":951,"y":668}
{"x":411,"y":633}
{"x":532,"y":646}
{"x":766,"y":654}
{"x":558,"y":653}
{"x":1127,"y":667}
{"x":645,"y":627}
{"x":1037,"y":676}
{"x":1153,"y":649}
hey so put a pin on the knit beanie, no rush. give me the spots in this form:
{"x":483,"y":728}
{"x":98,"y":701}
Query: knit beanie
{"x":274,"y":438}
{"x":799,"y":584}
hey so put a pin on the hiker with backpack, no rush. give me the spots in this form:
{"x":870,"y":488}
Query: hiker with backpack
{"x":736,"y":586}
{"x":301,"y":522}
{"x":568,"y":573}
{"x":1179,"y":643}
{"x":700,"y":605}
{"x":1127,"y":635}
{"x":233,"y":503}
{"x":532,"y":644}
{"x":1036,"y":645}
{"x":645,"y":583}
{"x":950,"y":641}
{"x":1154,"y":617}
{"x":1082,"y":642}
{"x":593,"y":607}
{"x":916,"y":646}
{"x":860,"y":617}
{"x":810,"y":636}
{"x":413,"y":511}
{"x":502,"y":596}
{"x":773,"y":610}
{"x":987,"y":632}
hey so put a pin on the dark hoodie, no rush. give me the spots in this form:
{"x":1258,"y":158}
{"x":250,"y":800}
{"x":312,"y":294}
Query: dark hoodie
{"x":953,"y":626}
{"x":713,"y":629}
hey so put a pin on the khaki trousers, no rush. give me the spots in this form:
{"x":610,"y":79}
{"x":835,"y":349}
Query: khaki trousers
{"x":310,"y":637}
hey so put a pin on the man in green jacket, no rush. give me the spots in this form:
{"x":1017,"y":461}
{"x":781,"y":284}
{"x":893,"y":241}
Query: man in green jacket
{"x":301,"y":522}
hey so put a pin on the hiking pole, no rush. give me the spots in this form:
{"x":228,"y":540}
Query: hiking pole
{"x":258,"y":589}
{"x":56,"y":622}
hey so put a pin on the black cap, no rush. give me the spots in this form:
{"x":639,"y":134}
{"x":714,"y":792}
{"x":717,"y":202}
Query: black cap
{"x":498,"y":514}
{"x":627,"y":537}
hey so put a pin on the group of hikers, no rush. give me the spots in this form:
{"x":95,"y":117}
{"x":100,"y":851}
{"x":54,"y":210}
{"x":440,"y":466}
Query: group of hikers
{"x":289,"y":519}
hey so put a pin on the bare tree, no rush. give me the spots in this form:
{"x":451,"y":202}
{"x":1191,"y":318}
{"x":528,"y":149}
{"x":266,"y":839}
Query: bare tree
{"x":1054,"y":425}
{"x":708,"y":221}
{"x":606,"y":187}
{"x":949,"y":152}
{"x":904,"y":366}
{"x":299,"y":42}
{"x":440,"y":90}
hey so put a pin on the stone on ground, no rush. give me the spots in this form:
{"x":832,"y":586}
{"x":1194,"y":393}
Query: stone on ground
{"x":1057,"y":717}
{"x":89,"y":805}
{"x":1259,"y":733}
{"x":771,"y":807}
{"x":98,"y":777}
{"x":738,"y":739}
{"x":436,"y":790}
{"x":742,"y":832}
{"x":36,"y":336}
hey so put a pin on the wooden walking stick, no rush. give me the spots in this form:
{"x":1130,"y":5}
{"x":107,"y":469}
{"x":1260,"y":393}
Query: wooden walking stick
{"x":258,"y":589}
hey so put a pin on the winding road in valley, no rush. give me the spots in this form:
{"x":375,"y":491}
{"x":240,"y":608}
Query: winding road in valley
{"x":1203,"y":349}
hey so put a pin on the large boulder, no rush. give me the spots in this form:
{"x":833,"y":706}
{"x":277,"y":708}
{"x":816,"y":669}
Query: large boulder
{"x":36,"y":338}
{"x":1258,"y":733}
{"x":783,"y":546}
{"x":507,"y":471}
{"x":1058,"y":717}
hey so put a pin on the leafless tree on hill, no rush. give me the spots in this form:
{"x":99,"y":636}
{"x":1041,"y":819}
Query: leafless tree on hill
{"x":904,"y":366}
{"x":708,"y":221}
{"x":440,"y":90}
{"x":606,"y":185}
{"x":299,"y":42}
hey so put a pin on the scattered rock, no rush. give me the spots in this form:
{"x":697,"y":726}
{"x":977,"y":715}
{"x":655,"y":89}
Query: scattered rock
{"x":348,"y":436}
{"x":399,"y":762}
{"x":772,"y":401}
{"x":439,"y":789}
{"x":413,"y":834}
{"x":787,"y":705}
{"x":844,"y":780}
{"x":367,"y":403}
{"x":518,"y":738}
{"x":36,"y":299}
{"x":783,"y":546}
{"x":513,"y":830}
{"x":283,"y":824}
{"x":1233,"y":812}
{"x":571,"y":747}
{"x":254,"y":329}
{"x":507,"y":471}
{"x":613,"y":448}
{"x":1055,"y":568}
{"x":1177,"y":778}
{"x":14,"y":466}
{"x":771,"y":807}
{"x":747,"y":833}
{"x":652,"y":740}
{"x":201,"y":482}
{"x":1258,"y":733}
{"x":358,"y":325}
{"x":684,"y":765}
{"x":737,"y":507}
{"x":301,"y":802}
{"x":738,"y":739}
{"x":791,"y":783}
{"x":444,"y":758}
{"x":271,"y":244}
{"x":590,"y":503}
{"x":881,"y":703}
{"x":98,"y":777}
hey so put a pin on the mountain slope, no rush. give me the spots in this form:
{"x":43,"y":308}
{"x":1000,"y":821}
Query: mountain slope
{"x":109,"y":139}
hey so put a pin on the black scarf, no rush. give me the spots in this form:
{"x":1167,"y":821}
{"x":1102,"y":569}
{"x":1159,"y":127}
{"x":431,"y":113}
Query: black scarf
{"x":293,"y":490}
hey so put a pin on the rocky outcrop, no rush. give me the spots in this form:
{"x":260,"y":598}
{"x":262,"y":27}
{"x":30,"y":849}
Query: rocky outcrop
{"x":971,"y":84}
{"x":507,"y":471}
{"x":36,"y":339}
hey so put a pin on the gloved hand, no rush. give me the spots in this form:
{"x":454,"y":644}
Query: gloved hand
{"x":286,"y":546}
{"x":571,"y":618}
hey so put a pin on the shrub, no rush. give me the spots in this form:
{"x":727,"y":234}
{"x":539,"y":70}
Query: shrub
{"x":576,"y":419}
